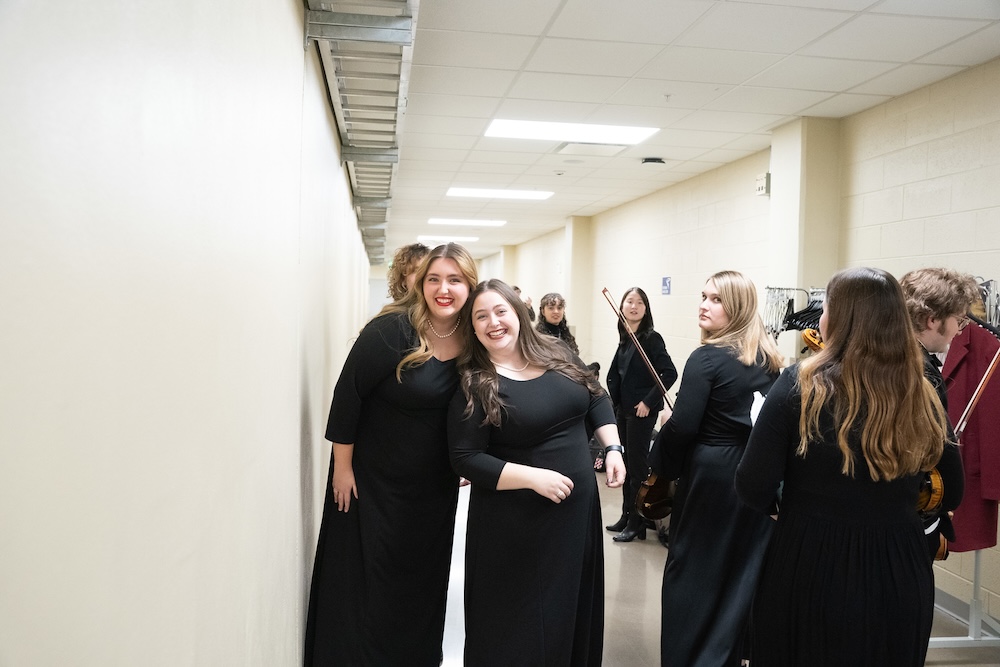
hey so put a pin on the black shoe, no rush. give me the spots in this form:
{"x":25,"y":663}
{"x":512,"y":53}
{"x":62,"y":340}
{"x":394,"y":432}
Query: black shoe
{"x":619,"y":525}
{"x":636,"y":528}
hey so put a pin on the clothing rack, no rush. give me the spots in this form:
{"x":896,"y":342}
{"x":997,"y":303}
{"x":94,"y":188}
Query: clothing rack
{"x":779,"y":306}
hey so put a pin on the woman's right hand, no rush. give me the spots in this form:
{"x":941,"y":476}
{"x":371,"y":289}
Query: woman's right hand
{"x":551,"y":484}
{"x":344,"y":487}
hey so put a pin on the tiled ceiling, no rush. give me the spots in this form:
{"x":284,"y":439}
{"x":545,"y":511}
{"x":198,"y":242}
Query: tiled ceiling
{"x":715,"y":75}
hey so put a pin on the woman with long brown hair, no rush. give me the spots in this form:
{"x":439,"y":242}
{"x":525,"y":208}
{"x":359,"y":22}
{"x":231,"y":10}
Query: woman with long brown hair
{"x":848,"y":434}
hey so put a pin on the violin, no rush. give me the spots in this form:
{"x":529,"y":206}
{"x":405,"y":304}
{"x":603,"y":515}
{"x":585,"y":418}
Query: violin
{"x":931,"y":494}
{"x":812,"y":340}
{"x":655,"y":498}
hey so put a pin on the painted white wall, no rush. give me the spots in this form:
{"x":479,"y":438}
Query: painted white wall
{"x":173,"y":231}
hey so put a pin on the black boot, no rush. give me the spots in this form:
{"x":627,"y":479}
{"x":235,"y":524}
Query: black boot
{"x":619,"y":525}
{"x":636,"y":528}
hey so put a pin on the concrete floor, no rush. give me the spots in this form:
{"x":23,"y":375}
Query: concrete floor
{"x":634,"y":572}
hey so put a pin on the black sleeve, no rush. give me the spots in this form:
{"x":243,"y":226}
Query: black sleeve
{"x":952,"y":476}
{"x":600,"y":413}
{"x":681,"y":430}
{"x":656,"y":350}
{"x":468,"y":439}
{"x":373,"y":359}
{"x":615,"y":382}
{"x":774,"y":435}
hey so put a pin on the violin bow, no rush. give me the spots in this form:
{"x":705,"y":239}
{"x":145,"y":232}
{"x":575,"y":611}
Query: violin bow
{"x":635,"y":341}
{"x":976,"y":395}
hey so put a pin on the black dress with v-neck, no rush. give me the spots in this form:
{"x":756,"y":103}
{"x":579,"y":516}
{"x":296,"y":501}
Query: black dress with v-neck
{"x":380,"y":578}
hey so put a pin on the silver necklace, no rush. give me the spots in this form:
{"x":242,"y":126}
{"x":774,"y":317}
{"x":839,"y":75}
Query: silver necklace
{"x":431,"y":325}
{"x":513,"y":370}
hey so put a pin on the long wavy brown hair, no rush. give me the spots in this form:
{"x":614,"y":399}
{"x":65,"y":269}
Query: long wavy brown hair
{"x":480,"y":380}
{"x":415,"y":306}
{"x":870,"y":374}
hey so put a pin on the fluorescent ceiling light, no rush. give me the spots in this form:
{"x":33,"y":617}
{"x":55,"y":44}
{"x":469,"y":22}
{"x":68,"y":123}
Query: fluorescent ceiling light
{"x":467,"y":223}
{"x":498,"y":194}
{"x":575,"y":132}
{"x":447,"y":239}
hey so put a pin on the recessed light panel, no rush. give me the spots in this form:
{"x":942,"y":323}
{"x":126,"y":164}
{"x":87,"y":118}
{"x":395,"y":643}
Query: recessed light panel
{"x":573,"y":132}
{"x":498,"y":194}
{"x":467,"y":223}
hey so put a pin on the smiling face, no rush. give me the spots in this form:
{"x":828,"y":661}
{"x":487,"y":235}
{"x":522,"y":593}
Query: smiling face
{"x":634,"y":309}
{"x":496,"y":324}
{"x":712,"y":317}
{"x":445,"y":288}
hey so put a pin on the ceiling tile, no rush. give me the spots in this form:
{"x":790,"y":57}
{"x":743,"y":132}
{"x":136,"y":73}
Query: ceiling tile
{"x":459,"y":81}
{"x":891,"y":38}
{"x":964,"y":9}
{"x":767,"y":100}
{"x":441,"y":124}
{"x":451,"y":105}
{"x":844,"y":104}
{"x":517,"y":17}
{"x":972,"y":50}
{"x":577,"y":56}
{"x":545,"y":110}
{"x":471,"y":49}
{"x":636,"y":21}
{"x":668,"y":94}
{"x":830,"y":74}
{"x":681,"y":63}
{"x":906,"y":78}
{"x":726,"y":121}
{"x":565,"y":87}
{"x":762,"y":28}
{"x":638,"y":116}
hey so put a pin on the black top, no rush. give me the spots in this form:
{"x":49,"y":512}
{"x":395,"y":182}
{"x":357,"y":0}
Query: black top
{"x":534,"y":573}
{"x":629,"y":380}
{"x":847,"y":567}
{"x":380,"y":578}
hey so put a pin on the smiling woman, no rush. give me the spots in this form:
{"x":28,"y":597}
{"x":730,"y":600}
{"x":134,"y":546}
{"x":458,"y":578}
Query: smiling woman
{"x":518,"y":431}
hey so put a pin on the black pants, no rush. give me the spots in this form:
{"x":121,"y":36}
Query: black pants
{"x":635,"y":434}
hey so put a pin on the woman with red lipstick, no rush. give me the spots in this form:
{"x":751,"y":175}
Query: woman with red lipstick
{"x":380,"y":577}
{"x":717,"y":544}
{"x":534,"y":572}
{"x":637,"y":401}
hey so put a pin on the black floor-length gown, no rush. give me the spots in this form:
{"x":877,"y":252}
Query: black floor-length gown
{"x":534,"y":569}
{"x":380,"y":578}
{"x":847,"y":579}
{"x":717,"y":543}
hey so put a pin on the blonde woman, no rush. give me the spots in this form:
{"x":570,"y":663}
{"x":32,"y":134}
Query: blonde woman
{"x":716,"y":543}
{"x":847,"y":579}
{"x":380,"y":578}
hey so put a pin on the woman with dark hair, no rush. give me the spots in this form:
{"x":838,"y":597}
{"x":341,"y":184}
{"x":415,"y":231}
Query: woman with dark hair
{"x":534,"y":561}
{"x":716,"y":543}
{"x":637,"y":401}
{"x":380,"y":577}
{"x":847,"y":434}
{"x":552,"y":320}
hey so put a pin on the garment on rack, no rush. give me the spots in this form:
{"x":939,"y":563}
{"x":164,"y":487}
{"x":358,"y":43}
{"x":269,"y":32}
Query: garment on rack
{"x":807,"y":318}
{"x":975,"y":519}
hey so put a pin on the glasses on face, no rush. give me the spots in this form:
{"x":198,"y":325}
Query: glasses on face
{"x":963,"y":321}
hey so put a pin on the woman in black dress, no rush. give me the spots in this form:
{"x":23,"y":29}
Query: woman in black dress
{"x":847,"y":580}
{"x":716,"y":543}
{"x":552,"y":320}
{"x":637,"y":401}
{"x":380,"y":578}
{"x":534,"y":565}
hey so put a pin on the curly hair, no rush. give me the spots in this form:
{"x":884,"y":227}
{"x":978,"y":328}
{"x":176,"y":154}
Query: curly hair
{"x":404,"y":262}
{"x":561,"y":330}
{"x":937,"y":293}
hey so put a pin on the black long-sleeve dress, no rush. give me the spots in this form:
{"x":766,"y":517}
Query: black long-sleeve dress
{"x":629,"y":382}
{"x":847,"y":579}
{"x":716,"y":543}
{"x":534,"y":569}
{"x":380,"y":578}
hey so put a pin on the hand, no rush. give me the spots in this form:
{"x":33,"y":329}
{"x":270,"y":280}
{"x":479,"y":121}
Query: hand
{"x":641,"y":410}
{"x":614,"y":467}
{"x":552,"y":485}
{"x":527,"y":301}
{"x":344,"y":487}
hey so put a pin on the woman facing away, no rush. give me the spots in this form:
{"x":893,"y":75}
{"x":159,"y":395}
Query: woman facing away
{"x":383,"y":558}
{"x":534,"y":563}
{"x":848,"y":432}
{"x":552,"y":320}
{"x":637,"y":401}
{"x":716,"y":543}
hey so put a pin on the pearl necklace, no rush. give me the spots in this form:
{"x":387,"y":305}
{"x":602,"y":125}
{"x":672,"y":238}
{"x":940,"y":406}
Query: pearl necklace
{"x":513,"y":370}
{"x":431,"y":325}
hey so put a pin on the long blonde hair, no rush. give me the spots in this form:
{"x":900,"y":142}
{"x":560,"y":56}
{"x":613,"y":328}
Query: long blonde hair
{"x":415,"y":306}
{"x":870,"y":373}
{"x":745,"y":334}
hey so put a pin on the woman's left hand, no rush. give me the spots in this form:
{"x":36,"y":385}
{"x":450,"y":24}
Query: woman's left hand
{"x":641,"y":410}
{"x":614,"y":467}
